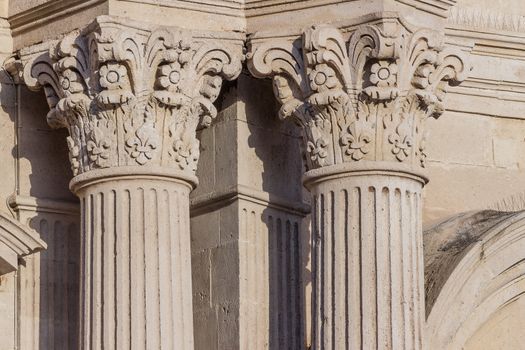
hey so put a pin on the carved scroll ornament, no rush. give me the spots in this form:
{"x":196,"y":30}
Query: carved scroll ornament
{"x":130,"y":96}
{"x":366,"y":98}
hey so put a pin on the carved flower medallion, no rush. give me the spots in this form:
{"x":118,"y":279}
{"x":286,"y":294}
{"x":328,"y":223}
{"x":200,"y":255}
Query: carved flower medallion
{"x":323,"y":78}
{"x":383,"y":74}
{"x":170,"y":76}
{"x":70,"y":82}
{"x":114,"y":80}
{"x":383,"y":77}
{"x":112,"y":76}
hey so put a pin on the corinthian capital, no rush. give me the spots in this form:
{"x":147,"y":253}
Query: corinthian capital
{"x":364,"y":95}
{"x":130,"y":94}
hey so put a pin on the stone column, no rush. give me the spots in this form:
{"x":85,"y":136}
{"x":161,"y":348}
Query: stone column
{"x":361,"y":99}
{"x":136,"y":259}
{"x":367,"y":259}
{"x":132,"y":96}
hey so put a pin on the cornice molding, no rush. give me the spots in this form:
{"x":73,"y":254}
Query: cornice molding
{"x":486,"y":20}
{"x":48,"y":11}
{"x":268,"y":7}
{"x":487,"y":33}
{"x":346,"y":26}
{"x":230,"y":8}
{"x":16,"y":240}
{"x":362,"y":98}
{"x":440,"y":8}
{"x":211,"y":201}
{"x":131,"y":93}
{"x":42,"y":205}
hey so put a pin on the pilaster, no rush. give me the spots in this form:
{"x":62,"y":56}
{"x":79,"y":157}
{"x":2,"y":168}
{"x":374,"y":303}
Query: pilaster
{"x":361,"y":96}
{"x":247,"y":221}
{"x":48,"y":282}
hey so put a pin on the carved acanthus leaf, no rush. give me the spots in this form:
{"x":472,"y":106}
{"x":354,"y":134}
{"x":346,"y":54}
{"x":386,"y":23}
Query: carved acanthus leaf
{"x":365,"y":97}
{"x":132,"y":97}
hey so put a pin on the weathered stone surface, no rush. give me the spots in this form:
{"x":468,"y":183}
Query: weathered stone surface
{"x":448,"y":242}
{"x":252,"y":288}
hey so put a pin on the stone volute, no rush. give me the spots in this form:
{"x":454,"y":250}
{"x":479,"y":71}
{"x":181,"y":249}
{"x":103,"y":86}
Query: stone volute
{"x":132,"y":96}
{"x":362,"y":96}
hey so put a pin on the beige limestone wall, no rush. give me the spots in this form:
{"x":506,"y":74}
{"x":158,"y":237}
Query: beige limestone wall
{"x":20,"y":6}
{"x":42,"y":155}
{"x":476,"y":149}
{"x":248,"y":240}
{"x":475,"y":162}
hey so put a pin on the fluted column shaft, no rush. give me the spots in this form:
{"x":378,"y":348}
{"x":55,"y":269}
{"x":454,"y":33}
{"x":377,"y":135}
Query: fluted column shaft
{"x":367,"y":262}
{"x":135,"y":260}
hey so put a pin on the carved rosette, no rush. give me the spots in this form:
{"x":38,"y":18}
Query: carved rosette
{"x":132,"y":96}
{"x":365,"y":97}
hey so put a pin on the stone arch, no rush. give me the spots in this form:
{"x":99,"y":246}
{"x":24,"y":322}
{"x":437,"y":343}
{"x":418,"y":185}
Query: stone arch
{"x":476,"y":269}
{"x":16,"y":240}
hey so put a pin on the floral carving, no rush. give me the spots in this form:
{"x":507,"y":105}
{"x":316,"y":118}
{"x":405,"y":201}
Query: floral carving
{"x":74,"y":153}
{"x":363,"y":95}
{"x":143,"y":144}
{"x":383,"y":74}
{"x":98,"y":147}
{"x":186,"y":153}
{"x":70,"y":82}
{"x":357,"y":142}
{"x":383,"y":80}
{"x":169,"y":76}
{"x":420,"y":152}
{"x":323,"y":78}
{"x":113,"y":76}
{"x":120,"y":91}
{"x":318,"y":151}
{"x":402,"y":146}
{"x":115,"y":84}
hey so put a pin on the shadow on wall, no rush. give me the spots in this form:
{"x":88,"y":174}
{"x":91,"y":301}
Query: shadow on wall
{"x":277,"y":144}
{"x":48,"y":282}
